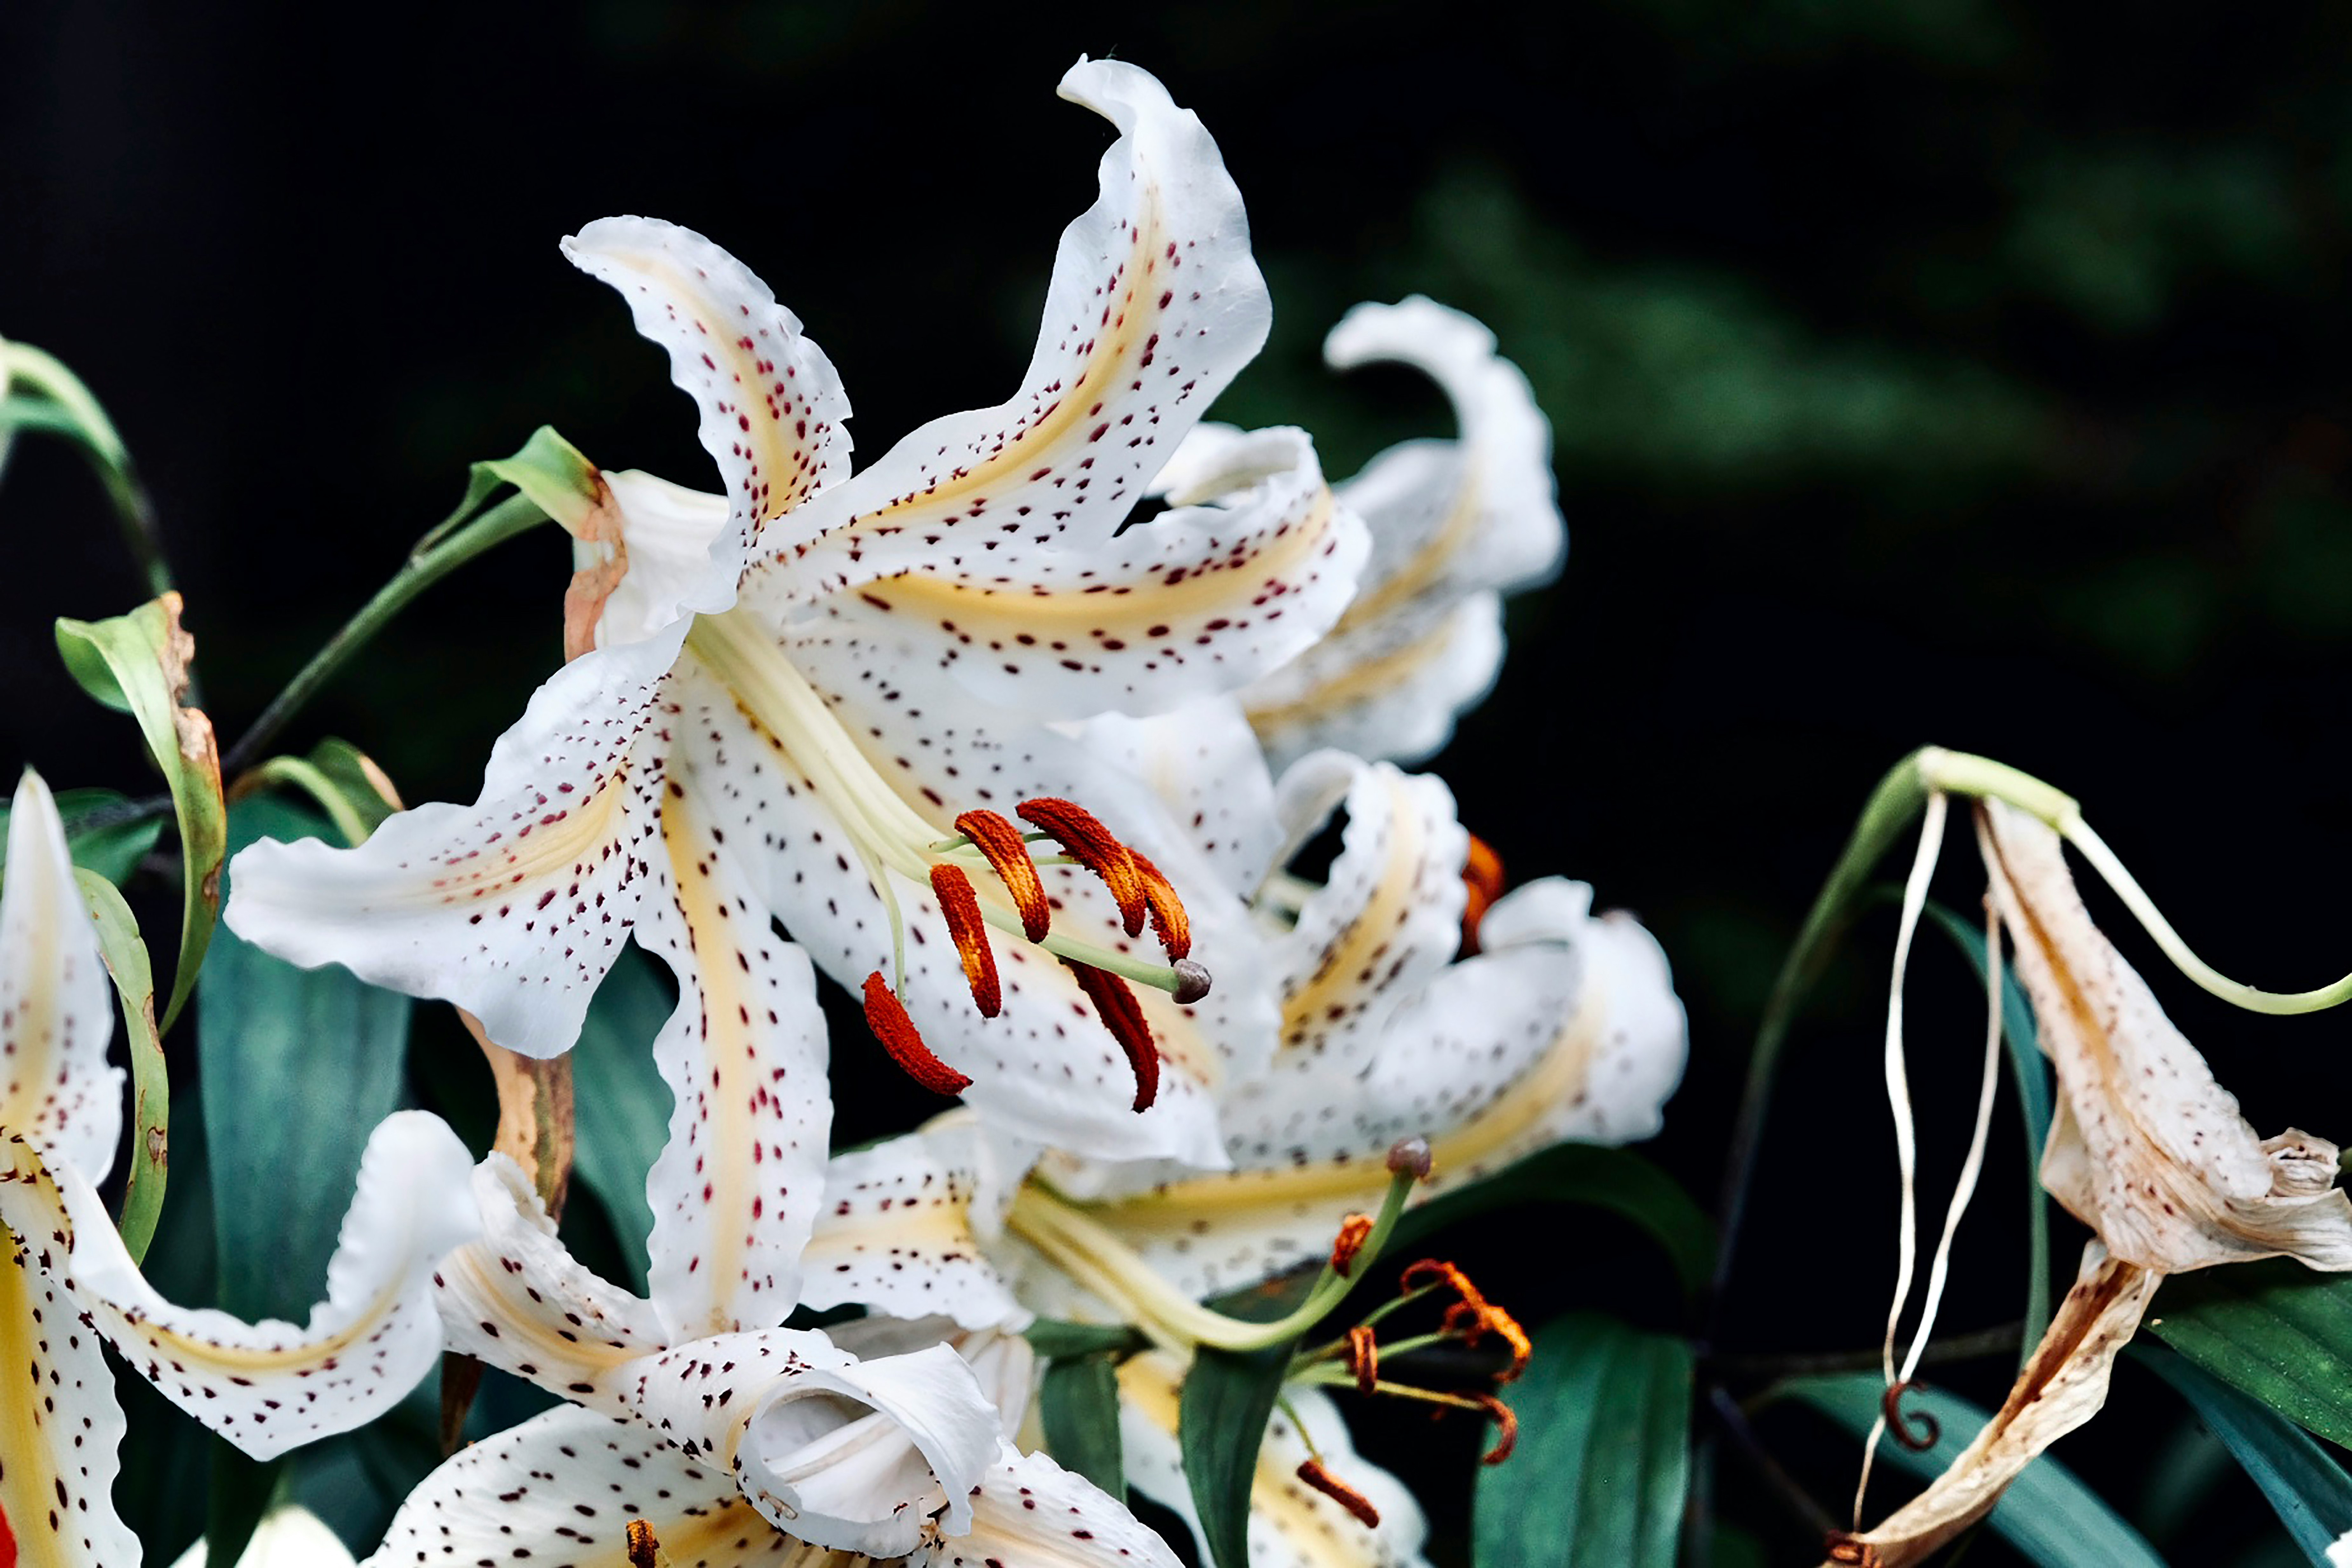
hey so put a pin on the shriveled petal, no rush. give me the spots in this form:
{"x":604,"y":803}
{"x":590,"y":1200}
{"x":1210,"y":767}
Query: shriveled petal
{"x":1247,"y":574}
{"x":517,"y":1300}
{"x":739,"y":1183}
{"x":1291,"y":1525}
{"x":2062,"y":1387}
{"x":2148,"y":1151}
{"x":1029,"y":1512}
{"x":60,"y":1428}
{"x":1155,"y":304}
{"x":561,"y":1488}
{"x":271,"y":1386}
{"x":1204,"y":764}
{"x":513,"y":908}
{"x":842,"y":1452}
{"x":1566,"y":1026}
{"x":668,"y":533}
{"x":771,"y":403}
{"x":895,"y":1234}
{"x":57,"y":1010}
{"x":1453,"y":523}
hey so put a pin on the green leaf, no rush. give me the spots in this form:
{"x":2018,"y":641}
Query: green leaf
{"x":1617,"y":1180}
{"x":1078,"y":1402}
{"x":296,"y":1066}
{"x":2273,"y":1330}
{"x":2031,"y":1072}
{"x":342,"y":781}
{"x":2049,"y":1516}
{"x":1603,"y":1457}
{"x":620,"y":1103}
{"x":1054,"y":1339}
{"x":125,"y":956}
{"x":2310,"y":1490}
{"x":100,"y":834}
{"x":138,"y":663}
{"x":1220,"y":1419}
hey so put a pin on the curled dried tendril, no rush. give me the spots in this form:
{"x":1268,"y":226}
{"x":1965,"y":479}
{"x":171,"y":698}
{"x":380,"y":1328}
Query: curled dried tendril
{"x":1918,"y":1430}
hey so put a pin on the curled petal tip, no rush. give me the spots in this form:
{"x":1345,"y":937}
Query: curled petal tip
{"x":1191,"y":981}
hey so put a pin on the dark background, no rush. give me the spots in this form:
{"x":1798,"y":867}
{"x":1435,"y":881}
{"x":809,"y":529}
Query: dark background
{"x":1920,"y":370}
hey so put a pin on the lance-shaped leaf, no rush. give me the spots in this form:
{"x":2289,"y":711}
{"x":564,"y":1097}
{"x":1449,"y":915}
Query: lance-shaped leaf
{"x":104,"y":832}
{"x":139,"y":663}
{"x":2274,"y":1330}
{"x":2309,"y":1490}
{"x":1078,"y":1401}
{"x":150,"y":1118}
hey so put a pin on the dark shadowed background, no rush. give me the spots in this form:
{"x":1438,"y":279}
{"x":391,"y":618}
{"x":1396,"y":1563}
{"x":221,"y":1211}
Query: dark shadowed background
{"x":1920,"y":370}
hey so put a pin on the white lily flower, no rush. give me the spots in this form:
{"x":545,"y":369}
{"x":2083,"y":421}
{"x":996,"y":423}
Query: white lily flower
{"x":1456,"y":524}
{"x":827,"y":724}
{"x":288,"y":1537}
{"x":267,"y":1386}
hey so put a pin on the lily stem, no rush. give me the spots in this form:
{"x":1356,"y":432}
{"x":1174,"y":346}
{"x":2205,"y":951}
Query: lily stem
{"x":434,"y":559}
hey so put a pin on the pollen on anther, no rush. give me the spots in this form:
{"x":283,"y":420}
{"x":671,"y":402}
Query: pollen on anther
{"x":1092,"y":845}
{"x":960,"y":905}
{"x":1312,"y":1472}
{"x":887,"y":1016}
{"x":1169,"y":921}
{"x":1123,"y":1017}
{"x":1000,"y":843}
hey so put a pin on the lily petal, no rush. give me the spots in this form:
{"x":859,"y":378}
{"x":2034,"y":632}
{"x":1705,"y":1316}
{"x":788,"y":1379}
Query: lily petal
{"x":2148,"y":1150}
{"x":1155,"y":305}
{"x":1204,"y":764}
{"x":772,"y":405}
{"x":513,"y":908}
{"x":668,"y":533}
{"x":60,"y":1428}
{"x":1029,"y":1512}
{"x":896,"y":1235}
{"x":1291,"y":1525}
{"x":1453,"y":524}
{"x":57,"y":1010}
{"x":562,"y":1486}
{"x":271,"y":1386}
{"x":840,"y":1452}
{"x":1250,"y":571}
{"x":517,"y":1300}
{"x":738,"y":1184}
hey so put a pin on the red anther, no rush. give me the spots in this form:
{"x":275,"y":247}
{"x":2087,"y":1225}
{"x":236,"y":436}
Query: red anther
{"x":1354,"y":1231}
{"x":1312,"y":1472}
{"x":1090,"y":844}
{"x":887,"y":1016}
{"x":1854,"y":1550}
{"x":644,"y":1552}
{"x":1169,"y":921}
{"x":1503,"y":1417}
{"x":960,"y":905}
{"x":1482,"y":884}
{"x":1008,"y":856}
{"x":1123,"y":1017}
{"x":1473,"y":1316}
{"x":1364,"y":1359}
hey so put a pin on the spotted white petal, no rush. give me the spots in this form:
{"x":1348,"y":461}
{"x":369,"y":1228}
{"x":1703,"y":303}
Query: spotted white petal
{"x":668,"y":535}
{"x":1155,"y":304}
{"x":895,"y":1234}
{"x":1247,"y":573}
{"x":840,"y":1452}
{"x":1029,"y":1512}
{"x":290,"y":1536}
{"x":771,"y":403}
{"x":1291,"y":1525}
{"x":2147,"y":1149}
{"x":271,"y":1386}
{"x":1566,"y":1026}
{"x":60,"y":1428}
{"x":1204,"y":764}
{"x":1454,"y":524}
{"x":739,"y":1183}
{"x":559,"y":1491}
{"x":516,"y":1299}
{"x":515,"y":907}
{"x":57,"y":1010}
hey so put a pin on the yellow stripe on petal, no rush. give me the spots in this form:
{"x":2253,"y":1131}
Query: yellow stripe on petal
{"x":59,"y":1425}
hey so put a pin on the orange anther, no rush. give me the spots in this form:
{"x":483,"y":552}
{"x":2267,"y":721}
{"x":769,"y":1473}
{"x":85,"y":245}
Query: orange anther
{"x":1312,"y":1472}
{"x":887,"y":1016}
{"x":1473,"y":1316}
{"x":1363,"y":1359}
{"x":1008,"y":856}
{"x":1503,"y":1417}
{"x":1169,"y":921}
{"x":1482,"y":884}
{"x":1850,"y":1549}
{"x":1354,"y":1231}
{"x":1123,"y":1017}
{"x":960,"y":905}
{"x":644,"y":1550}
{"x":1091,"y":844}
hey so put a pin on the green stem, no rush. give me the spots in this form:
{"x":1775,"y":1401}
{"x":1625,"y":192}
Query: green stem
{"x":425,"y":566}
